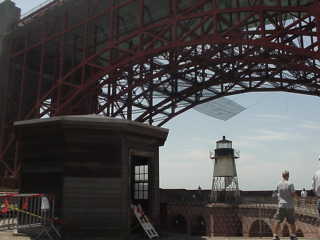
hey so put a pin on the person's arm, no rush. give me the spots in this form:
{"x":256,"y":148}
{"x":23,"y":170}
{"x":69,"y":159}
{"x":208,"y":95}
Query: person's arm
{"x":275,"y":192}
{"x":292,"y":191}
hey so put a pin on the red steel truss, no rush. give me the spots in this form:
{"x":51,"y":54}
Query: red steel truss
{"x":150,"y":61}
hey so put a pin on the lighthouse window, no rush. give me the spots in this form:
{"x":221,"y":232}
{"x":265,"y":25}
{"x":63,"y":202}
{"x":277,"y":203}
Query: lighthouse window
{"x":224,"y":145}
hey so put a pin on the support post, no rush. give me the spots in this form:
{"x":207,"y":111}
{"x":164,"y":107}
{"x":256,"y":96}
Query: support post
{"x":9,"y":15}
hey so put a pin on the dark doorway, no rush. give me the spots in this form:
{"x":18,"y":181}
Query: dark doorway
{"x":198,"y":226}
{"x":179,"y":224}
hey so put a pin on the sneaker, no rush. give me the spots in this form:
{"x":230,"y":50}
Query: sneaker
{"x":275,"y":238}
{"x":293,"y":238}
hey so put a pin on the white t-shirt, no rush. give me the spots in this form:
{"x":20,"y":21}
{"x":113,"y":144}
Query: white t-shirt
{"x":316,"y":183}
{"x":285,"y":189}
{"x":45,"y":205}
{"x":304,"y":194}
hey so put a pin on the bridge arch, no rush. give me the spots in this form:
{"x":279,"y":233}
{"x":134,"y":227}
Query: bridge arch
{"x":242,"y":52}
{"x":198,"y":226}
{"x":179,"y":224}
{"x":260,"y":228}
{"x":223,"y":80}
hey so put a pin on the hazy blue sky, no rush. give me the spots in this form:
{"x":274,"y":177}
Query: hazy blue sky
{"x":278,"y":131}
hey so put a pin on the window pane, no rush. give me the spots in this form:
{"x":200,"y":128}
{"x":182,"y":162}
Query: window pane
{"x":145,"y":195}
{"x":141,"y":185}
{"x":136,"y":177}
{"x":136,"y":194}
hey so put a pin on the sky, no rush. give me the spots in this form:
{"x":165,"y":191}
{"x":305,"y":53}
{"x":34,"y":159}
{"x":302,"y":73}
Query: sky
{"x":277,"y":131}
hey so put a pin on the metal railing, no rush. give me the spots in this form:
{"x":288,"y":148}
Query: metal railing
{"x":32,"y":214}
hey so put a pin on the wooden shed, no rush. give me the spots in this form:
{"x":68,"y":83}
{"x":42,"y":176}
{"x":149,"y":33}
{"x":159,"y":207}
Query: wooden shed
{"x":95,"y":166}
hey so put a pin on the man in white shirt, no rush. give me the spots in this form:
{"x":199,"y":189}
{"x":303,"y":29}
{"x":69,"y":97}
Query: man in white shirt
{"x":304,"y":193}
{"x":286,"y":193}
{"x":316,"y":189}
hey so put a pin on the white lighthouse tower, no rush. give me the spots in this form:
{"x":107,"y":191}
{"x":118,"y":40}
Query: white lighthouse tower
{"x":225,"y":187}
